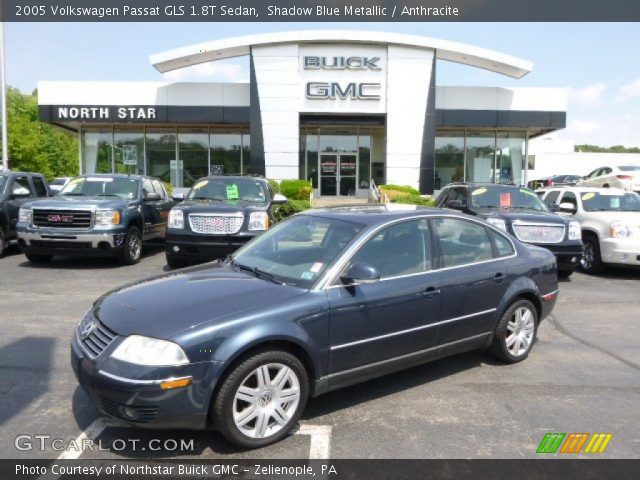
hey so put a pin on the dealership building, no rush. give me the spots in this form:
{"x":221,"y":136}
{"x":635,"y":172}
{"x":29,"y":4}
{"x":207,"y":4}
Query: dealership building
{"x":342,"y":109}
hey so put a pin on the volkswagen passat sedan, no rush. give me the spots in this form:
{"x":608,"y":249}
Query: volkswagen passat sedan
{"x":323,"y":300}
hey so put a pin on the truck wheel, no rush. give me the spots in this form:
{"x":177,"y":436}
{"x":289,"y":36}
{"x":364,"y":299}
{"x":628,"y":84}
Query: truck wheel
{"x":261,"y":398}
{"x":132,"y":246}
{"x":591,"y":261}
{"x":38,"y":258}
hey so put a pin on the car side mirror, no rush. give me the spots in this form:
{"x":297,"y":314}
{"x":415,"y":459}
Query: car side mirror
{"x":455,"y":204}
{"x":279,"y":199}
{"x":20,"y":192}
{"x":152,"y":197}
{"x":178,"y":196}
{"x":360,"y":272}
{"x":567,"y":207}
{"x":554,"y":207}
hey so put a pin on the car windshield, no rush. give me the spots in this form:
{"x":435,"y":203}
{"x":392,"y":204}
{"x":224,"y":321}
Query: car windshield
{"x":3,"y":182}
{"x":506,"y":197}
{"x":598,"y":202}
{"x":102,"y":187}
{"x":57,"y":181}
{"x":298,"y":250}
{"x":229,"y":190}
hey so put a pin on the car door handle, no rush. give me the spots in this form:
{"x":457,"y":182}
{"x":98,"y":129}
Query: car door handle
{"x":499,"y":277}
{"x":430,"y":292}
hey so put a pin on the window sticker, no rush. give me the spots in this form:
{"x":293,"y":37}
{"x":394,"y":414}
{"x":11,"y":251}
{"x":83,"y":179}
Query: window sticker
{"x":615,"y":202}
{"x":479,"y":191}
{"x":99,"y":179}
{"x":316,"y":267}
{"x":232,"y":191}
{"x":201,"y":184}
{"x":76,"y":180}
{"x":307,"y":275}
{"x":505,"y":199}
{"x":588,"y":196}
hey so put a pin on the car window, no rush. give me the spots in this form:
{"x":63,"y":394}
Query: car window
{"x":570,"y":197}
{"x":606,"y":171}
{"x":229,"y":190}
{"x":400,"y":249}
{"x":610,"y":202}
{"x":38,"y":183}
{"x":551,"y":197}
{"x":462,"y":242}
{"x":3,"y":182}
{"x":504,"y":247}
{"x":21,"y":186}
{"x":496,"y":196}
{"x":159,"y":188}
{"x":147,"y":187}
{"x":102,"y":187}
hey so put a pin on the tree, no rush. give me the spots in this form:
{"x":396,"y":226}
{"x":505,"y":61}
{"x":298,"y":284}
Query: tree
{"x":35,"y":146}
{"x":612,"y":149}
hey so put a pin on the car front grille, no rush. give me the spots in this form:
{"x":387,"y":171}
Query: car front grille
{"x":62,"y":218}
{"x":130,"y":413}
{"x":216,"y":224}
{"x":60,"y":245}
{"x":534,"y":233}
{"x":94,"y":340}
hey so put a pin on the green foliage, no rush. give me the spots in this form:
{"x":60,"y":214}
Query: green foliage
{"x":35,"y":146}
{"x":275,"y":186}
{"x":169,"y":188}
{"x":290,"y":208}
{"x":415,"y":200}
{"x":406,"y":195}
{"x":612,"y":149}
{"x":400,"y":188}
{"x":296,"y":189}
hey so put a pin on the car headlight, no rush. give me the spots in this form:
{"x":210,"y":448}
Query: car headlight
{"x":258,"y":221}
{"x":618,"y":229}
{"x":575,"y":232}
{"x":498,"y":223}
{"x":149,"y":351}
{"x":25,"y":215}
{"x":176,"y":218}
{"x":105,"y":218}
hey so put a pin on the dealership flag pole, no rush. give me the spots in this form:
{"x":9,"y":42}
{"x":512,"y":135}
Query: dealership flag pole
{"x":5,"y":149}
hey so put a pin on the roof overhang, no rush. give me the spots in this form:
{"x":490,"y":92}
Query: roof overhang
{"x":239,"y":46}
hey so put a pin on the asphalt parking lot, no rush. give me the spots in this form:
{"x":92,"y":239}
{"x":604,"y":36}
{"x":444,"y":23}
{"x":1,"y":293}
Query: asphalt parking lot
{"x":582,"y":376}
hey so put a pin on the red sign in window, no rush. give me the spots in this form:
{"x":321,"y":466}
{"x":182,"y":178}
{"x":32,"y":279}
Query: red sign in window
{"x":505,"y":199}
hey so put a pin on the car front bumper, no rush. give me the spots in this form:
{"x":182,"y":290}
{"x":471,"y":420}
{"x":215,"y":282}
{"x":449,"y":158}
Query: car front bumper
{"x":137,"y":397}
{"x":50,"y":241}
{"x":620,"y":251}
{"x":189,"y":246}
{"x":567,"y":254}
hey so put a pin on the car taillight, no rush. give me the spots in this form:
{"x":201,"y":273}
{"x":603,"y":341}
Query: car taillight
{"x":624,"y":177}
{"x":548,"y":182}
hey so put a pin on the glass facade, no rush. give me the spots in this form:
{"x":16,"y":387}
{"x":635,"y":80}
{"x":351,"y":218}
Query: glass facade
{"x":342,"y":160}
{"x":480,"y":156}
{"x":178,"y":155}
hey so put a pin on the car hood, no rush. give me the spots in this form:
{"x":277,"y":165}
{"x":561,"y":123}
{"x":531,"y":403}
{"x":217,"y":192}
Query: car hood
{"x":191,"y":206}
{"x":167,"y":304}
{"x":88,"y":203}
{"x":512,"y":214}
{"x":629,"y":218}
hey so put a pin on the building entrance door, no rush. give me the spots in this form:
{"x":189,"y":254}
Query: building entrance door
{"x":338,"y":174}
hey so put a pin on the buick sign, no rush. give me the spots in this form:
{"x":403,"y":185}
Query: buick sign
{"x":341,"y":63}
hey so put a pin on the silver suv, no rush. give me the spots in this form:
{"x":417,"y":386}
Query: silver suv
{"x":610,"y":222}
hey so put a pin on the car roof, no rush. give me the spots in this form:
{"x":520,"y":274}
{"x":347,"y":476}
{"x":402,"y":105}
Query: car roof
{"x":584,"y":189}
{"x":117,"y":175}
{"x":12,"y":173}
{"x":482,"y":184}
{"x":237,"y":177}
{"x":375,"y":214}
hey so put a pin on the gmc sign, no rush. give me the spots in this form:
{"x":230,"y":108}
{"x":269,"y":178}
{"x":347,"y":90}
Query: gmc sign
{"x":333,"y":90}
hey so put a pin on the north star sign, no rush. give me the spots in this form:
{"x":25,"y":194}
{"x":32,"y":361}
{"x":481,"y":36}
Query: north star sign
{"x":336,"y":90}
{"x":106,"y":113}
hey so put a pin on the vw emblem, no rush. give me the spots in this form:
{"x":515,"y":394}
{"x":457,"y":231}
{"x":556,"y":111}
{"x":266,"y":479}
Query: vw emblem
{"x":87,"y":330}
{"x":265,"y":398}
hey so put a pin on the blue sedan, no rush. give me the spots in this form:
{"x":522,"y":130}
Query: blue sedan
{"x":324,"y":299}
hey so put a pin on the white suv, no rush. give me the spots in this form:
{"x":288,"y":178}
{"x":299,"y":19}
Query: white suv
{"x":610,"y":222}
{"x":626,"y":177}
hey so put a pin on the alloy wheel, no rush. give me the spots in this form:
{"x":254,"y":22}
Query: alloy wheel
{"x":586,"y":262}
{"x":135,"y":245}
{"x":266,"y":400}
{"x":519,"y":332}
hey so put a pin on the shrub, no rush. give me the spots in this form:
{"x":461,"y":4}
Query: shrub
{"x":415,"y":200}
{"x":275,"y":186}
{"x":296,"y":189}
{"x":290,"y":208}
{"x":169,"y":188}
{"x":400,"y":188}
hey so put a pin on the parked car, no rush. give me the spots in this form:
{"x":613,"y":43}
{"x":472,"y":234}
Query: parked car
{"x":59,"y":183}
{"x":17,"y":188}
{"x":219,"y":215}
{"x":109,"y":215}
{"x":626,"y":177}
{"x":520,"y":212}
{"x":610,"y":222}
{"x":304,"y":309}
{"x":554,"y":180}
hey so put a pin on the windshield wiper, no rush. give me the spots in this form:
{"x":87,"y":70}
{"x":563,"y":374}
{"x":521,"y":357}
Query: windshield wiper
{"x":72,"y":195}
{"x":257,"y":272}
{"x":107,"y":195}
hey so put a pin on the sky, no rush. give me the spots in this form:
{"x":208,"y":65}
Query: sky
{"x":596,"y":62}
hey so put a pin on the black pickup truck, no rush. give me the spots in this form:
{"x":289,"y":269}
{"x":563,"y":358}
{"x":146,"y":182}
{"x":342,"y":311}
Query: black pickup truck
{"x":520,"y":212}
{"x":17,"y":188}
{"x":108,"y":215}
{"x":218,"y":216}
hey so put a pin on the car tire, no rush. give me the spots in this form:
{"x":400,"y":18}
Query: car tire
{"x":38,"y":258}
{"x":565,"y":273}
{"x":132,"y":246}
{"x":250,"y":420}
{"x":3,"y":242}
{"x":516,"y":332}
{"x":176,"y":262}
{"x":591,"y":261}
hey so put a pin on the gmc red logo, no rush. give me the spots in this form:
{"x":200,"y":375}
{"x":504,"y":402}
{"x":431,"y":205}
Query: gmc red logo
{"x":60,"y":218}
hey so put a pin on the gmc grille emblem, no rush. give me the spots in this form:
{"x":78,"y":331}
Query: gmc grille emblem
{"x":60,"y":218}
